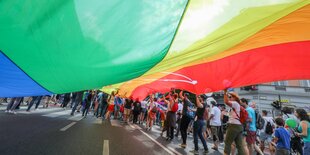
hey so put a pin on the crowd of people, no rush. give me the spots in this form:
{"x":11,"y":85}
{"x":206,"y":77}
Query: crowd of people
{"x":237,"y":123}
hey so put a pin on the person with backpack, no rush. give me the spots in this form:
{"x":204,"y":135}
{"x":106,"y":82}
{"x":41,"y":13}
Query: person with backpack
{"x":200,"y":124}
{"x":265,"y":134}
{"x":187,"y":116}
{"x":238,"y":116}
{"x":172,"y":108}
{"x":304,"y":129}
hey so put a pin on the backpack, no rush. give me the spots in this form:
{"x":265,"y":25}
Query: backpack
{"x":268,"y":129}
{"x":260,"y":122}
{"x":175,"y":107}
{"x":243,"y":115}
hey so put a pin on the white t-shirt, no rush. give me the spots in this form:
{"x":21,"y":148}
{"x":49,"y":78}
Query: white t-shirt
{"x":233,"y":118}
{"x":180,"y":107}
{"x":143,"y":104}
{"x":216,"y":120}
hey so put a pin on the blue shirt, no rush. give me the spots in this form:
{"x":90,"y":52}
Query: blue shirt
{"x":283,"y":138}
{"x":251,"y":114}
{"x":118,"y":101}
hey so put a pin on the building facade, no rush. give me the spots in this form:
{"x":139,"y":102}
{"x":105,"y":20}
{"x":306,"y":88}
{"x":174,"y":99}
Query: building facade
{"x":294,"y":94}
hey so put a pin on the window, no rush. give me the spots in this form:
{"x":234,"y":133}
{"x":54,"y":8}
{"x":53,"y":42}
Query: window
{"x":305,"y":83}
{"x":280,"y":83}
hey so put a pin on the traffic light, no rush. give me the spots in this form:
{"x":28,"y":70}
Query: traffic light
{"x":276,"y":104}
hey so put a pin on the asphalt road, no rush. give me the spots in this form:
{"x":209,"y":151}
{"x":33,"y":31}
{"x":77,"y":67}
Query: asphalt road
{"x":53,"y":131}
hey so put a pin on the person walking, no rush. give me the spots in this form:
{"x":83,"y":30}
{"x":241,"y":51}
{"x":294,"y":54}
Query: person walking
{"x":88,"y":99}
{"x":110,"y":106}
{"x":200,"y":124}
{"x":152,"y":110}
{"x":35,"y":100}
{"x":265,"y":134}
{"x":13,"y":104}
{"x":127,"y":109}
{"x":304,"y":129}
{"x":282,"y":138}
{"x":251,"y":125}
{"x":77,"y":101}
{"x":172,"y":107}
{"x":187,"y":116}
{"x":234,"y":131}
{"x":136,"y":111}
{"x":215,"y":123}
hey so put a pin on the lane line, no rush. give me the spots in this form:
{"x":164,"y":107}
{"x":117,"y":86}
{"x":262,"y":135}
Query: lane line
{"x":68,"y":126}
{"x":170,"y":151}
{"x":105,"y":150}
{"x":58,"y":114}
{"x":77,"y":117}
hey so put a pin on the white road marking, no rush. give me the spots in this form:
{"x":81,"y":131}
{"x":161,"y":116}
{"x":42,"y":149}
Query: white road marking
{"x":105,"y":150}
{"x":57,"y":114}
{"x":169,"y":150}
{"x":97,"y":121}
{"x":21,"y":108}
{"x":68,"y":126}
{"x":77,"y":117}
{"x":38,"y":111}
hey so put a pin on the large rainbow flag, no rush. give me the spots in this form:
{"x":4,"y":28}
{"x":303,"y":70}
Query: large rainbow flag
{"x":142,"y":47}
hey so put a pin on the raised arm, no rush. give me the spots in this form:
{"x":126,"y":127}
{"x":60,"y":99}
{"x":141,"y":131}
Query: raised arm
{"x":226,"y":101}
{"x":181,"y":95}
{"x":199,"y":104}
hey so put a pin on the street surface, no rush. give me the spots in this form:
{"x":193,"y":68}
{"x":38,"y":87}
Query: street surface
{"x":53,"y":131}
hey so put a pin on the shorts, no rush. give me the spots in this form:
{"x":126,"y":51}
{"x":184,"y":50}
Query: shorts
{"x":265,"y":137}
{"x":111,"y":108}
{"x":126,"y":111}
{"x":215,"y":133}
{"x":251,"y":137}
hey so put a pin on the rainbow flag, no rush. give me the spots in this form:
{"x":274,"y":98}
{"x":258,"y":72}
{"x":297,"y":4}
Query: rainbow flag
{"x":143,"y":47}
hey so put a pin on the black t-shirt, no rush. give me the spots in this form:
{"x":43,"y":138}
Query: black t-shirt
{"x":104,"y":99}
{"x":186,"y":103}
{"x":200,"y":111}
{"x":128,"y":104}
{"x":137,"y":106}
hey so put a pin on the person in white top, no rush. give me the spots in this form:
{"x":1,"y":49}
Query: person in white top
{"x":264,"y":136}
{"x":215,"y":123}
{"x":235,"y":128}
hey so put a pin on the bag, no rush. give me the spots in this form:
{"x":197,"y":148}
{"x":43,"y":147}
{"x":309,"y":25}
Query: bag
{"x":260,"y":122}
{"x":243,"y":115}
{"x":175,"y":107}
{"x":268,"y":129}
{"x":190,"y":114}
